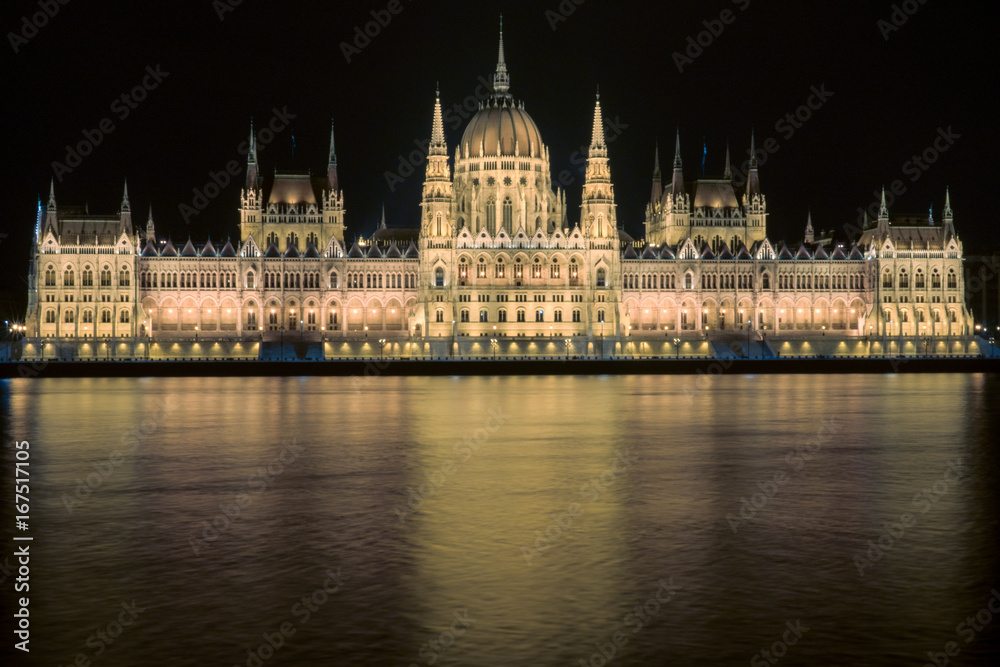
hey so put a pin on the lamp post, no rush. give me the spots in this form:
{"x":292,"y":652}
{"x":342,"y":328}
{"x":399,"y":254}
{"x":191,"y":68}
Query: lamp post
{"x":494,"y":344}
{"x":381,"y":347}
{"x":677,"y":348}
{"x":568,"y":343}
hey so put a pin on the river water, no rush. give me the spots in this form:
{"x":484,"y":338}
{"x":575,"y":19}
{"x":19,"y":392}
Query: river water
{"x":800,"y":520}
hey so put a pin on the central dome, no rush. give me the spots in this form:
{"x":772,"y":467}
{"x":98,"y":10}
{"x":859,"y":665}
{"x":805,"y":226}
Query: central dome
{"x":503,"y":128}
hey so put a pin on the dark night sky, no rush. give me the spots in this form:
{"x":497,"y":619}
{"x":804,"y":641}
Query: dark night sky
{"x":890,"y":97}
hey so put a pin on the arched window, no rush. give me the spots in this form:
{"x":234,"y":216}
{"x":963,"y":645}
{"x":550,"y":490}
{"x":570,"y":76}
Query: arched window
{"x":439,"y":225}
{"x":439,"y":316}
{"x":936,"y":280}
{"x":502,"y":315}
{"x":952,"y":279}
{"x":918,"y":280}
{"x":69,"y":317}
{"x":250,"y":280}
{"x":333,"y":280}
{"x":601,"y":278}
{"x":887,"y":280}
{"x":904,"y":280}
{"x":464,"y":316}
{"x":491,"y":215}
{"x":540,"y":315}
{"x":481,"y":272}
{"x":50,"y":316}
{"x":484,"y":316}
{"x":688,"y":281}
{"x":68,"y":278}
{"x":520,"y":316}
{"x":123,"y":317}
{"x":439,"y":277}
{"x":508,"y":214}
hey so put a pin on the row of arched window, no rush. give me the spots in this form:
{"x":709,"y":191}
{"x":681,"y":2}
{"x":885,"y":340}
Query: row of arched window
{"x":86,"y":317}
{"x":155,"y":279}
{"x":520,"y":315}
{"x":87,"y":277}
{"x":919,"y":279}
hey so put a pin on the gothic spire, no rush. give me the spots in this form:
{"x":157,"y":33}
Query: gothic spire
{"x":677,"y":184}
{"x":438,"y":145}
{"x":252,"y":161}
{"x":598,"y":146}
{"x":949,"y":220}
{"x":382,"y":225}
{"x":150,"y":227}
{"x":883,"y":211}
{"x":728,"y":173}
{"x":810,"y":234}
{"x":52,"y":195}
{"x":657,"y":193}
{"x":753,"y":178}
{"x":501,"y":80}
{"x":331,"y":167}
{"x":126,"y":207}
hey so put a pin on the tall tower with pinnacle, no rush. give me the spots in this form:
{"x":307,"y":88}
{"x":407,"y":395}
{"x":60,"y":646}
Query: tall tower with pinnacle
{"x":598,"y":217}
{"x":437,"y":195}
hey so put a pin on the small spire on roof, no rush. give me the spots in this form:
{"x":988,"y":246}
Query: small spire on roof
{"x":728,"y":173}
{"x":125,"y":203}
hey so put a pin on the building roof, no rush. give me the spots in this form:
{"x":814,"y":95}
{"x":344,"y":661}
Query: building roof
{"x":502,"y":127}
{"x":714,"y":194}
{"x":295,"y":189}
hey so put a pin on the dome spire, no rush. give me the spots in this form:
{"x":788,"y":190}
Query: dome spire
{"x":501,"y":80}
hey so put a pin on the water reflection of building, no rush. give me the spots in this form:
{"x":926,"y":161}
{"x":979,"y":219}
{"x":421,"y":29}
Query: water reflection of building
{"x":497,"y":267}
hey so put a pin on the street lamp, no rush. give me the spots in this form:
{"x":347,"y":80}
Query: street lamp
{"x":677,"y":348}
{"x":381,"y":346}
{"x":568,"y":342}
{"x":494,"y":344}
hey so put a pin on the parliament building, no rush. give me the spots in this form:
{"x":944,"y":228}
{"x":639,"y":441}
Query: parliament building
{"x":498,"y":268}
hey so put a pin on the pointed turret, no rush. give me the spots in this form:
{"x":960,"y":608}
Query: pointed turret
{"x":126,"y":213}
{"x":126,"y":207}
{"x":52,"y":195}
{"x":657,"y":193}
{"x":382,"y":224}
{"x":728,"y":173}
{"x":438,"y":144}
{"x":598,"y":214}
{"x":948,"y":215}
{"x":753,"y":178}
{"x":252,"y":179}
{"x":883,"y":216}
{"x":437,"y":197}
{"x":150,"y":227}
{"x":677,"y":184}
{"x":598,"y":145}
{"x":331,"y":166}
{"x":810,"y":236}
{"x":501,"y":79}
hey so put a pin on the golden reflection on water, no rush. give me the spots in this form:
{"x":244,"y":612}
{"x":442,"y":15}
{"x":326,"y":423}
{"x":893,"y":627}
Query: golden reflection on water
{"x":544,"y":508}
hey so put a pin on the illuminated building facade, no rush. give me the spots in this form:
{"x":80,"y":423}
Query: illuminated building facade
{"x":496,"y":268}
